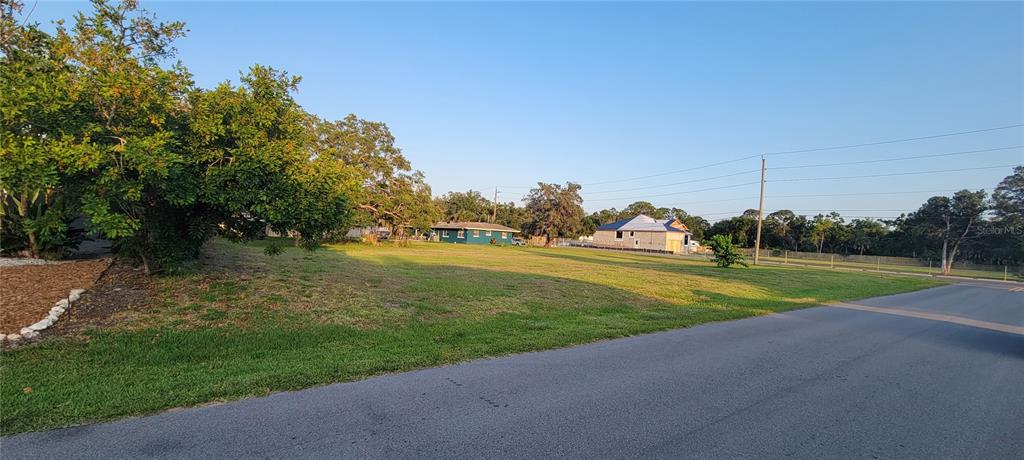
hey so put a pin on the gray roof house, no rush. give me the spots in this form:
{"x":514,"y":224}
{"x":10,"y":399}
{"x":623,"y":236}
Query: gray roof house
{"x":644,"y":233}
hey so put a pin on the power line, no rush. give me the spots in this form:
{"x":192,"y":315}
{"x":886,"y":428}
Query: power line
{"x":894,"y":141}
{"x":694,"y":168}
{"x":862,"y":193}
{"x":677,"y":183}
{"x":677,"y":193}
{"x":822,"y":195}
{"x":845,"y":210}
{"x":891,"y":174}
{"x":788,"y":152}
{"x":882,"y":160}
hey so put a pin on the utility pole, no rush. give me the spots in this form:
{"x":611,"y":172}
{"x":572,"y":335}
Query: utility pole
{"x":760,"y":218}
{"x":494,"y":212}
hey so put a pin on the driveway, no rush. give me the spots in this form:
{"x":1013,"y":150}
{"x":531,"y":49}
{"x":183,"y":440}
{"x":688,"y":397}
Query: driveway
{"x":937,"y":373}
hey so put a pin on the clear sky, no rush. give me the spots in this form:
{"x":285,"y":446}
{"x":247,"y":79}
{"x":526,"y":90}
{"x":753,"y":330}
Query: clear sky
{"x":507,"y":94}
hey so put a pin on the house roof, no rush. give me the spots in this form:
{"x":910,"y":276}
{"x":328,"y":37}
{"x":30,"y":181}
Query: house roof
{"x":642,"y":223}
{"x":474,"y":226}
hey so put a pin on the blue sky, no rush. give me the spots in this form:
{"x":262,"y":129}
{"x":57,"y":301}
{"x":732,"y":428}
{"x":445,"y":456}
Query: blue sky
{"x":507,"y":94}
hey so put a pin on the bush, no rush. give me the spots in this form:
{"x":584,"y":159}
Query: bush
{"x":726,"y":253}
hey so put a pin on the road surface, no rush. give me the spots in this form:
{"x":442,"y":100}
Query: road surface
{"x":932,"y":374}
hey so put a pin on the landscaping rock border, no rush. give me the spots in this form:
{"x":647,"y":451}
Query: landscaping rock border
{"x":55,"y":313}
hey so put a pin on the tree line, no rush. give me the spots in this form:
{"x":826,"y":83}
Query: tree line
{"x":967,"y":226}
{"x":99,"y":121}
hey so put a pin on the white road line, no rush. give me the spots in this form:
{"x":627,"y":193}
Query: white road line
{"x":935,"y":317}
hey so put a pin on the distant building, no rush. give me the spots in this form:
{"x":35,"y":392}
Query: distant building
{"x":363,"y":232}
{"x":473,"y":233}
{"x":644,"y":233}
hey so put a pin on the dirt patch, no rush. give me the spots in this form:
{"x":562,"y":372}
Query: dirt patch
{"x":121,"y":288}
{"x":28,"y":292}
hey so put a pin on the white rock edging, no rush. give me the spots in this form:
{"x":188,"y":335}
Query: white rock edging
{"x":52,"y":316}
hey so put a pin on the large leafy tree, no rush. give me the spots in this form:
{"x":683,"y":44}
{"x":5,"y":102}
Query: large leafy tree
{"x":865,"y":234}
{"x":824,"y":229}
{"x":950,"y":222}
{"x":1006,"y":232}
{"x":645,"y":208}
{"x":104,"y":123}
{"x":254,"y":165}
{"x":385,"y":190}
{"x":555,"y":211}
{"x":42,"y":124}
{"x":512,"y":216}
{"x":783,"y":228}
{"x":470,"y":206}
{"x":739,"y":229}
{"x":137,"y":108}
{"x":698,"y":226}
{"x":1008,"y":204}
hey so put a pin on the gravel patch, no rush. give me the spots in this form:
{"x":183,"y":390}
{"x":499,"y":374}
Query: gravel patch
{"x":18,"y":261}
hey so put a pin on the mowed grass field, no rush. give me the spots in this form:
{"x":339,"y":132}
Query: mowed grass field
{"x":241,"y":324}
{"x":996,"y":273}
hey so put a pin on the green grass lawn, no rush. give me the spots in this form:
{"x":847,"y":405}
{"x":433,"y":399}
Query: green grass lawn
{"x":995,"y":274}
{"x":241,"y":324}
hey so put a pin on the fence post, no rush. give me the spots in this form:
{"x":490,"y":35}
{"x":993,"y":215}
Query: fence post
{"x":1005,"y":269}
{"x":832,"y":261}
{"x":878,"y":264}
{"x":929,"y":267}
{"x":785,"y":260}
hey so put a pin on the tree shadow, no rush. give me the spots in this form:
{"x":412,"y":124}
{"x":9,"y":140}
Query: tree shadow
{"x":367,"y":316}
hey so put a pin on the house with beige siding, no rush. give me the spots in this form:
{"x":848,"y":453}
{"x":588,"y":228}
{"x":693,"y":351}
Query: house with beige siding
{"x":644,"y":233}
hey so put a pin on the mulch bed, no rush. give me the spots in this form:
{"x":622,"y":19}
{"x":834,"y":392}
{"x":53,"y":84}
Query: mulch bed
{"x":28,"y":292}
{"x":122,"y":287}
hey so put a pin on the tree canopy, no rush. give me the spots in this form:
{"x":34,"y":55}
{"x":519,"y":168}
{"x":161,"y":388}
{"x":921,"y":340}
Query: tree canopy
{"x":555,"y":211}
{"x":99,"y":121}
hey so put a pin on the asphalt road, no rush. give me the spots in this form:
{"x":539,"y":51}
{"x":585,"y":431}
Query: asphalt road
{"x":822,"y":382}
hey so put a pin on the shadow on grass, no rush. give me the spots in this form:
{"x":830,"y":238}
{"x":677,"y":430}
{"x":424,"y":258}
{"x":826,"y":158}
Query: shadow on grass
{"x":390,"y":314}
{"x":443,"y":314}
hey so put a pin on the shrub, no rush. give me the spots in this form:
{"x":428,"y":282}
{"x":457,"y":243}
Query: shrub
{"x":726,"y":253}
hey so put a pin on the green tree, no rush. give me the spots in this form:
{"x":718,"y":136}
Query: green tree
{"x":698,"y":226}
{"x":821,"y":227}
{"x":1008,"y":203}
{"x":470,"y":206}
{"x":950,"y":221}
{"x":865,"y":234}
{"x":41,"y":121}
{"x":255,"y":166}
{"x":512,"y":216}
{"x":555,"y":211}
{"x":102,"y":128}
{"x":645,"y":208}
{"x":740,"y":229}
{"x":385,"y":190}
{"x":779,"y":231}
{"x":726,"y":253}
{"x":1006,"y":232}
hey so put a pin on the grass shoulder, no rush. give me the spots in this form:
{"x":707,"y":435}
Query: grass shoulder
{"x":239,"y":323}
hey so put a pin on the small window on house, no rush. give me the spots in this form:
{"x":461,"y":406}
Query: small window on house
{"x":504,"y":235}
{"x":476,"y":233}
{"x":487,"y":233}
{"x":444,"y":233}
{"x":631,"y":234}
{"x":618,"y":235}
{"x":462,"y":234}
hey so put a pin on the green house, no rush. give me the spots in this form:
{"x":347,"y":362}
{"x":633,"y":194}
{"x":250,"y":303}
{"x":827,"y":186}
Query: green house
{"x":473,"y":233}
